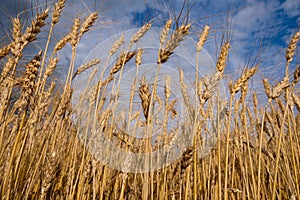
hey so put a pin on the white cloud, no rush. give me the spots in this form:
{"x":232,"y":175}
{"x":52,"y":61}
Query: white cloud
{"x":291,"y":7}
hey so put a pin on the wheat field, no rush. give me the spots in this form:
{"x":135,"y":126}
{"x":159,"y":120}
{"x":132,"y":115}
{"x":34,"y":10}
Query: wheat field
{"x":257,"y":149}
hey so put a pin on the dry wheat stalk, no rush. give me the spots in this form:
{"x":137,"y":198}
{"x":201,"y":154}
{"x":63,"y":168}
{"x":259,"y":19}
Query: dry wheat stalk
{"x":35,"y":28}
{"x":255,"y":101}
{"x":296,"y":101}
{"x":29,"y":81}
{"x":187,"y":158}
{"x":61,"y":43}
{"x":145,"y":96}
{"x":280,"y":104}
{"x":51,"y":67}
{"x":7,"y":68}
{"x":165,"y":32}
{"x":90,"y":20}
{"x":290,"y":51}
{"x":49,"y":70}
{"x":49,"y":175}
{"x":44,"y":99}
{"x":167,"y":88}
{"x":74,"y":33}
{"x":57,"y":11}
{"x":185,"y":95}
{"x":274,"y":92}
{"x":5,"y":50}
{"x":234,"y":88}
{"x":202,"y":38}
{"x":210,"y":84}
{"x":297,"y":119}
{"x":267,"y":87}
{"x":86,"y":66}
{"x":65,"y":101}
{"x":117,"y":44}
{"x":138,"y":57}
{"x":296,"y":75}
{"x":98,"y":87}
{"x":17,"y":29}
{"x":140,"y":33}
{"x":122,"y":60}
{"x":88,"y":175}
{"x":223,"y":57}
{"x":244,"y":90}
{"x":30,"y":34}
{"x":172,"y":43}
{"x":171,"y":108}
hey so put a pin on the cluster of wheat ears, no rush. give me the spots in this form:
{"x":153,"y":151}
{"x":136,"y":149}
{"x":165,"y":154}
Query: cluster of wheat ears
{"x":41,"y":157}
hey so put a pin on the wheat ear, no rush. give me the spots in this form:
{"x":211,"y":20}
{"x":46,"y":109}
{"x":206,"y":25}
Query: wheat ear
{"x":290,"y":51}
{"x":202,"y":38}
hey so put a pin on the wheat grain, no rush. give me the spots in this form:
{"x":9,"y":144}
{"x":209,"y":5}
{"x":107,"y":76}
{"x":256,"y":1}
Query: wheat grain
{"x":10,"y":63}
{"x":57,"y":11}
{"x":16,"y":29}
{"x":277,"y":90}
{"x":117,"y":44}
{"x":35,"y":28}
{"x":61,"y":43}
{"x":165,"y":32}
{"x":49,"y":174}
{"x":138,"y":57}
{"x":74,"y":33}
{"x":29,"y":81}
{"x":145,"y":96}
{"x":234,"y":88}
{"x":290,"y":51}
{"x":90,"y":20}
{"x":122,"y":60}
{"x":167,"y":88}
{"x":296,"y":101}
{"x":187,"y":158}
{"x":85,"y":67}
{"x":172,"y":43}
{"x":51,"y":67}
{"x":185,"y":96}
{"x":140,"y":33}
{"x":223,"y":57}
{"x":296,"y":75}
{"x":202,"y":38}
{"x":5,"y":50}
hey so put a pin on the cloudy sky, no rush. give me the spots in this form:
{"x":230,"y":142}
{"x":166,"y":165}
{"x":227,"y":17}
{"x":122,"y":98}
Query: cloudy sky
{"x":259,"y":31}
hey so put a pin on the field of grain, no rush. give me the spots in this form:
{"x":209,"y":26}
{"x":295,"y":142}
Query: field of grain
{"x":257,"y":150}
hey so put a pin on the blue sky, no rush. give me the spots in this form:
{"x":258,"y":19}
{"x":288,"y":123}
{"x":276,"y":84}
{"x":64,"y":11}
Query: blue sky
{"x":256,"y":27}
